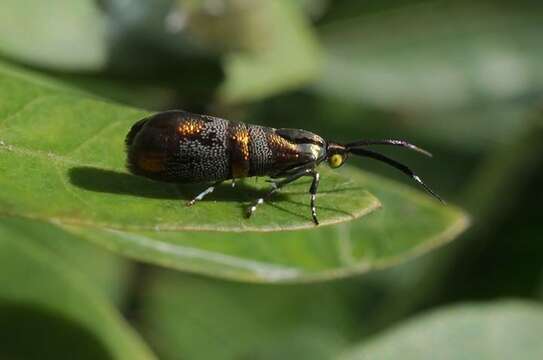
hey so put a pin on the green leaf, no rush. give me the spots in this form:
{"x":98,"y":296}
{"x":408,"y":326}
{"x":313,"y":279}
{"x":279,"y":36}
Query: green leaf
{"x":463,"y":72}
{"x":75,"y":148}
{"x":182,"y":315}
{"x":60,"y":34}
{"x":66,"y":159}
{"x":378,"y":58}
{"x":49,"y":310}
{"x":502,"y":330}
{"x":86,"y":38}
{"x":286,"y":55}
{"x":409,"y":224}
{"x":106,"y":271}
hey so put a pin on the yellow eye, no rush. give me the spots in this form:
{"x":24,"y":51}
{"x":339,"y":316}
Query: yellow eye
{"x":336,"y":160}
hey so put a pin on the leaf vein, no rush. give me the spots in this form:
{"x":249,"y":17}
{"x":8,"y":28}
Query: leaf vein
{"x":93,"y":137}
{"x":269,"y":271}
{"x":29,"y":104}
{"x":345,"y":245}
{"x":67,"y":187}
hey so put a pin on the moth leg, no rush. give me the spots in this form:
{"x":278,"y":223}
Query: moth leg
{"x":201,"y":195}
{"x":313,"y":192}
{"x":276,"y":185}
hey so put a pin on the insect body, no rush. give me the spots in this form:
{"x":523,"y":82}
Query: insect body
{"x":177,"y":146}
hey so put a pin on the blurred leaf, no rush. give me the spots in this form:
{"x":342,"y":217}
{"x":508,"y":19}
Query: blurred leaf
{"x":173,"y":44}
{"x":463,"y":72}
{"x":107,"y":272}
{"x":124,"y":91}
{"x":506,"y":172}
{"x":179,"y":313}
{"x":314,"y":8}
{"x":286,"y":55}
{"x":49,"y":310}
{"x":302,"y":321}
{"x":196,"y":318}
{"x":74,"y":147}
{"x":131,"y":92}
{"x":59,"y":34}
{"x":152,"y":45}
{"x":500,"y":256}
{"x":449,"y":50}
{"x":502,"y":330}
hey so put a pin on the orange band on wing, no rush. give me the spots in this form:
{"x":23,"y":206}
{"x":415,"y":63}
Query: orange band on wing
{"x":239,"y":160}
{"x":190,"y":127}
{"x":151,"y":162}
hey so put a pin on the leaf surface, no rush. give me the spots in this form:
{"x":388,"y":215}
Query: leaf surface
{"x":79,"y":42}
{"x":503,"y":330}
{"x":460,"y":72}
{"x":66,"y":159}
{"x":48,"y":309}
{"x":286,"y":55}
{"x":182,"y":314}
{"x":63,"y":156}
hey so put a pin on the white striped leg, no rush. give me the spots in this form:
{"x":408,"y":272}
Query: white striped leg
{"x":275,"y":187}
{"x":201,"y":195}
{"x":260,"y":201}
{"x":313,"y":192}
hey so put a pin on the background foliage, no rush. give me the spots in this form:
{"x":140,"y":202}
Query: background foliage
{"x":90,"y":266}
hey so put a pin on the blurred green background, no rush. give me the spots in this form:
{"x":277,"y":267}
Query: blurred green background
{"x":463,"y":79}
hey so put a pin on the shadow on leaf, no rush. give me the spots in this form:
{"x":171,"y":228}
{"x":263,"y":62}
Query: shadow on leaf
{"x":114,"y":182}
{"x":29,"y":332}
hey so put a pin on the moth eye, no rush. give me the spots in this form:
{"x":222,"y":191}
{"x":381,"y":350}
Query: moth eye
{"x":335,"y":160}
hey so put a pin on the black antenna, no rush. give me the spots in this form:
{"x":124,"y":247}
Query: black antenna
{"x":403,"y":168}
{"x":394,"y":142}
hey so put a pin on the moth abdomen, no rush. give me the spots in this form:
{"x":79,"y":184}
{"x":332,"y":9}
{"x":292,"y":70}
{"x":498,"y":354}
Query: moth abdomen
{"x":179,"y":146}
